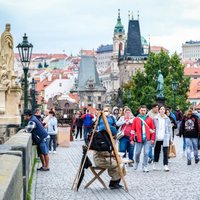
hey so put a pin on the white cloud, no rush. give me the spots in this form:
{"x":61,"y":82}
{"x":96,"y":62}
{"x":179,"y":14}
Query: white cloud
{"x":54,"y":25}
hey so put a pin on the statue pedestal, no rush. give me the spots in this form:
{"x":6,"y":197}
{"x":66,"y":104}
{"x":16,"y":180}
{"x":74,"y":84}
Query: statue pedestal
{"x":10,"y":118}
{"x":160,"y":100}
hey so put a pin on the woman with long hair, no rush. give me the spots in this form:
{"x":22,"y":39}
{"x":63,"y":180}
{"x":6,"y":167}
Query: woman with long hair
{"x":163,"y":130}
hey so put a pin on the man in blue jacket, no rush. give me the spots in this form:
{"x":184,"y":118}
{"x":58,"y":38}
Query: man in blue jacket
{"x":40,"y":137}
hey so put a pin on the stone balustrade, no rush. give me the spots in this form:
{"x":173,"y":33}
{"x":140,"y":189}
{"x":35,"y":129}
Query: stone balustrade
{"x":16,"y":158}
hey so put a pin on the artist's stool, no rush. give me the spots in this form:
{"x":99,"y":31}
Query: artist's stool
{"x":97,"y":171}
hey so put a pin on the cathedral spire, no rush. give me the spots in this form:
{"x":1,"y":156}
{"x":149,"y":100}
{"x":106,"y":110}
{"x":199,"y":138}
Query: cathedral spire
{"x":138,"y":15}
{"x":119,"y":28}
{"x":129,"y":15}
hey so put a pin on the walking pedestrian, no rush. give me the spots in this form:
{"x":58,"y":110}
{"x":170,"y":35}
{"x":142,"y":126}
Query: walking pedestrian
{"x":125,"y":122}
{"x":79,"y":125}
{"x":87,"y":123}
{"x":142,"y":134}
{"x":190,"y":131}
{"x":152,"y":113}
{"x":163,"y":130}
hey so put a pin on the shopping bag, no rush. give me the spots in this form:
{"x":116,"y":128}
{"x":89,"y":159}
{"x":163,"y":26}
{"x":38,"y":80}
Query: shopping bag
{"x":172,"y":151}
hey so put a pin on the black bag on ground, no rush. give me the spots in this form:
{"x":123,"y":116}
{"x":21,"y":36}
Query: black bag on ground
{"x":101,"y":142}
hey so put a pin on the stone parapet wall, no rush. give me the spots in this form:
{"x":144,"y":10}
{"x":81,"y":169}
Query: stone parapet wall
{"x":16,"y":155}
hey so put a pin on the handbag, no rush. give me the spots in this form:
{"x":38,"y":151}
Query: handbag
{"x":172,"y":151}
{"x":120,"y":134}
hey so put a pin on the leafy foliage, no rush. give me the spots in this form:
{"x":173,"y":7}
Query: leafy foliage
{"x":143,"y":85}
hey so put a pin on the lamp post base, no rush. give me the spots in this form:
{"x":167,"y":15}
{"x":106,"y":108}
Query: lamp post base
{"x":160,"y":100}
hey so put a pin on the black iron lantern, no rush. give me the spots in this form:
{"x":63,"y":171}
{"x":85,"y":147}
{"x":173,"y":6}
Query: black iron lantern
{"x":174,"y":86}
{"x":25,"y":51}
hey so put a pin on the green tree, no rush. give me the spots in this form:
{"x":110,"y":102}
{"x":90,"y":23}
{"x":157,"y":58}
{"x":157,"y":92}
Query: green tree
{"x":143,"y":85}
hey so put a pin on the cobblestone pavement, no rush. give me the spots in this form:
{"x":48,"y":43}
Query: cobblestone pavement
{"x":182,"y":182}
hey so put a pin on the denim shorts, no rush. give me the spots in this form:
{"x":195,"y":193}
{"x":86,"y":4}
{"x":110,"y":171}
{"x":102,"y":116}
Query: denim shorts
{"x":44,"y":146}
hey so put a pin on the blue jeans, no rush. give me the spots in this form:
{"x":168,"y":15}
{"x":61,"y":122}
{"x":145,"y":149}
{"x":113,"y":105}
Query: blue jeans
{"x":192,"y":143}
{"x":138,"y":149}
{"x":86,"y":131}
{"x":184,"y":144}
{"x":125,"y":145}
{"x":151,"y":151}
{"x":53,"y":138}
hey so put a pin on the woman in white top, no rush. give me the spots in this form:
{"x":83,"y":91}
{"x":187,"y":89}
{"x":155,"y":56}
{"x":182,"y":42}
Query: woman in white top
{"x":163,"y":130}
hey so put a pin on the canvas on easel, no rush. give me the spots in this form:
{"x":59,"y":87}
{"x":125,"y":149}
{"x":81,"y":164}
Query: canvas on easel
{"x":76,"y":182}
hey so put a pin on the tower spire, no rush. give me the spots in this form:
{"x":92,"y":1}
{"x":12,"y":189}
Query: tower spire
{"x":118,"y":13}
{"x":132,"y":15}
{"x":129,"y":15}
{"x":149,"y":46}
{"x":138,"y":15}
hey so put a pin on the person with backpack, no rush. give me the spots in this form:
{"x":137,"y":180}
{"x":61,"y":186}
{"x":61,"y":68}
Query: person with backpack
{"x":190,"y":130}
{"x":103,"y":158}
{"x":87,"y":123}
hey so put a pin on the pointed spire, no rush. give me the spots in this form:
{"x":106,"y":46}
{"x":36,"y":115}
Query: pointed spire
{"x":149,"y":46}
{"x":118,"y":13}
{"x":129,"y":15}
{"x":119,"y":28}
{"x":132,"y":15}
{"x":138,"y":15}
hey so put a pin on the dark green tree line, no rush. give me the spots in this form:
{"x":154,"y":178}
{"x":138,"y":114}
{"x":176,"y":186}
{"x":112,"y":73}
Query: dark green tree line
{"x":142,"y":87}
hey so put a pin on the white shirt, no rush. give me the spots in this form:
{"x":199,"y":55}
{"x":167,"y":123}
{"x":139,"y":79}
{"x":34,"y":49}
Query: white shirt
{"x":161,"y":128}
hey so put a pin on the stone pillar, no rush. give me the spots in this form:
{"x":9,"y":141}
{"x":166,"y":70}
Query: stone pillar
{"x":2,"y":100}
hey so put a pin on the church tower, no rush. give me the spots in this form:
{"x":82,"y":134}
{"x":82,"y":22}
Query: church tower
{"x":134,"y":56}
{"x":119,"y":38}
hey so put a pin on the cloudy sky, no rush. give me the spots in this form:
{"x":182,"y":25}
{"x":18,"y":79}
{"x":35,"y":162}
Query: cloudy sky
{"x":54,"y":26}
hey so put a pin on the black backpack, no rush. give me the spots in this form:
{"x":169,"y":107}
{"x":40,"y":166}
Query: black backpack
{"x":101,"y":142}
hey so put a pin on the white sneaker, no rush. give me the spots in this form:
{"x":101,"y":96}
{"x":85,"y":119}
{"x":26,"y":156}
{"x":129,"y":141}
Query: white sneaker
{"x":145,"y":169}
{"x":54,"y":152}
{"x":50,"y":151}
{"x":136,"y":166}
{"x":154,"y":166}
{"x":166,"y":168}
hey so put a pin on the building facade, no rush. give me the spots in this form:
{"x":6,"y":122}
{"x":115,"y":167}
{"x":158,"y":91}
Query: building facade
{"x":89,"y":87}
{"x":191,"y":50}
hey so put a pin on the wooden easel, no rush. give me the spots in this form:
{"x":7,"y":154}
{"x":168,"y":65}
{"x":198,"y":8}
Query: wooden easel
{"x":76,"y":180}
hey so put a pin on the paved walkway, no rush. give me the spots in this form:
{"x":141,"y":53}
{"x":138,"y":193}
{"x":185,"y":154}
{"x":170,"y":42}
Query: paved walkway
{"x":182,"y":182}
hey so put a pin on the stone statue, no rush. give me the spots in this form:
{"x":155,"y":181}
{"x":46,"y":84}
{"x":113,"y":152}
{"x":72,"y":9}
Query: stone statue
{"x":6,"y":52}
{"x":160,"y":84}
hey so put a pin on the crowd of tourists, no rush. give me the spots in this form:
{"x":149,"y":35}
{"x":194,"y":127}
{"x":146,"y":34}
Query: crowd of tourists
{"x":146,"y":131}
{"x":150,"y":130}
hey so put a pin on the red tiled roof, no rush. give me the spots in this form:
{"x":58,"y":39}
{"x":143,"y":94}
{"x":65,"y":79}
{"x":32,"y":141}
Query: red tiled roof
{"x":158,"y":48}
{"x":192,"y":71}
{"x":194,"y":92}
{"x":87,"y":52}
{"x":74,"y":96}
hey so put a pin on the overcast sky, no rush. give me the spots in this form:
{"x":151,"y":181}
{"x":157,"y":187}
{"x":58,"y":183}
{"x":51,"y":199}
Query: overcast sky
{"x":54,"y":26}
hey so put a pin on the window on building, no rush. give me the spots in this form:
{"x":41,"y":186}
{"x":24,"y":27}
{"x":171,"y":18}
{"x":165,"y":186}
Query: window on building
{"x":99,"y":98}
{"x":60,"y":84}
{"x":89,"y":98}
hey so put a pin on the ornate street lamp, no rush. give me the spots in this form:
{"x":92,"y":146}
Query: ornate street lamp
{"x":174,"y":88}
{"x":33,"y":95}
{"x":25,"y":52}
